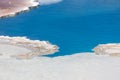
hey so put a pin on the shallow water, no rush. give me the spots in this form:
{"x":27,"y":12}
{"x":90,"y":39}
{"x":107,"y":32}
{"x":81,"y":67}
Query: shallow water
{"x":74,"y":25}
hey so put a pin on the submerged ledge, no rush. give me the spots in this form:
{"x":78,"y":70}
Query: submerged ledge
{"x":23,"y":48}
{"x":12,"y":7}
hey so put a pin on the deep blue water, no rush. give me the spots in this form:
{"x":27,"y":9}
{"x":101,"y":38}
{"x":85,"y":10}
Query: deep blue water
{"x":74,"y":25}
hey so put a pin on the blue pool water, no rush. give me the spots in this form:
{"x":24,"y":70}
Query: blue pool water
{"x":74,"y":25}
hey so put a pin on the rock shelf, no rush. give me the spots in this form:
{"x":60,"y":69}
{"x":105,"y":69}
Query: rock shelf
{"x":112,"y":49}
{"x":31,"y":48}
{"x":12,"y":7}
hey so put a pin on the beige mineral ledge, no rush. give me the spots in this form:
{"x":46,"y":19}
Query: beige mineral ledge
{"x":12,"y":7}
{"x":23,"y":48}
{"x":112,"y":49}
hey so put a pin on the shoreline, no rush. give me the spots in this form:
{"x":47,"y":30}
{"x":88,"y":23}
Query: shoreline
{"x":33,"y":47}
{"x":16,"y":9}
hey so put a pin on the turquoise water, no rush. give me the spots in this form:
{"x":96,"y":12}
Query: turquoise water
{"x":74,"y":25}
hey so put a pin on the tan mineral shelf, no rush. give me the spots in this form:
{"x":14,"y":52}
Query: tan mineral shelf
{"x":112,"y":49}
{"x":23,"y":48}
{"x":12,"y":7}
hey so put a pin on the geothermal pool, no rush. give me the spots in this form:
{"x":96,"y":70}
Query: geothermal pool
{"x":73,"y":27}
{"x":76,"y":26}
